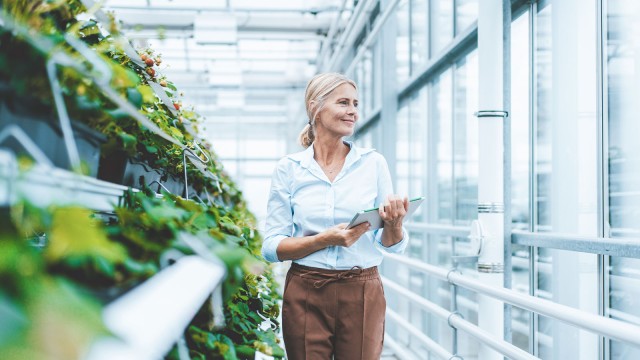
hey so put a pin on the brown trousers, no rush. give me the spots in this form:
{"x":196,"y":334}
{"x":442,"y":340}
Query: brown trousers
{"x":333,"y":313}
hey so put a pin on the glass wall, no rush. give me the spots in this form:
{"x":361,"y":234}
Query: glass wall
{"x":520,"y":184}
{"x":574,"y":169}
{"x":622,"y":54}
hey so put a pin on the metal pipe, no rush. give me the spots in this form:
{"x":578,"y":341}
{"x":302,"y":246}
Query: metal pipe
{"x":456,"y":321}
{"x":431,"y":345}
{"x":600,"y":325}
{"x":225,"y":9}
{"x":399,"y":351}
{"x":501,"y":346}
{"x":447,"y":230}
{"x":491,"y":117}
{"x":623,"y":247}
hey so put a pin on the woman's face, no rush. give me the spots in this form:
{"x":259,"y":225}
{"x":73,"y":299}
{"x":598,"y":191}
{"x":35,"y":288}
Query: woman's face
{"x":340,"y":112}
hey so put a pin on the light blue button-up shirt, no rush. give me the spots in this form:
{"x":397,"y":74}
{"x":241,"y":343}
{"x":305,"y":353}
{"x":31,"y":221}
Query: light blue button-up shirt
{"x":303,"y":202}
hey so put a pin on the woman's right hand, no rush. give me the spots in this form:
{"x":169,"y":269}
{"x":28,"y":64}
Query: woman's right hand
{"x":339,"y":235}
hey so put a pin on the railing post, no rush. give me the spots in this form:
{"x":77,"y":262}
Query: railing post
{"x":491,"y":116}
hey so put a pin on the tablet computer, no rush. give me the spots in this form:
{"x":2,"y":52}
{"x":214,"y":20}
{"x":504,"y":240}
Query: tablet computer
{"x":373,"y":216}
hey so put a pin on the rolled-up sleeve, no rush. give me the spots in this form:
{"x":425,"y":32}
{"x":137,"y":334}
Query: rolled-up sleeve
{"x":385,"y":188}
{"x":279,"y":222}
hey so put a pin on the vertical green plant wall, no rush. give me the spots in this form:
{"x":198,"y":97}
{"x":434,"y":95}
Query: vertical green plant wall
{"x":79,"y":260}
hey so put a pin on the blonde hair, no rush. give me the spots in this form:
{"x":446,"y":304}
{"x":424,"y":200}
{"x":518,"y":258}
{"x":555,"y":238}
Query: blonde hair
{"x":318,"y":88}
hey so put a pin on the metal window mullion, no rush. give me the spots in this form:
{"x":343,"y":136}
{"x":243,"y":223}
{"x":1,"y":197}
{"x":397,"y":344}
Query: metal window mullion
{"x":454,"y":25}
{"x":409,"y":12}
{"x":506,"y":130}
{"x":454,"y":207}
{"x":533,"y":191}
{"x":604,"y":344}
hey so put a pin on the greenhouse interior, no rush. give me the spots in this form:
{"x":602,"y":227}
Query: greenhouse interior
{"x":157,"y":202}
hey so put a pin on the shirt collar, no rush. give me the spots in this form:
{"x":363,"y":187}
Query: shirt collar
{"x":305,"y":157}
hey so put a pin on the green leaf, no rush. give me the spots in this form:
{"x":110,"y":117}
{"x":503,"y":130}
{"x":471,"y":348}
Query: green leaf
{"x":75,"y":234}
{"x":147,"y":93}
{"x":129,"y":141}
{"x":176,"y":133}
{"x":134,"y":96}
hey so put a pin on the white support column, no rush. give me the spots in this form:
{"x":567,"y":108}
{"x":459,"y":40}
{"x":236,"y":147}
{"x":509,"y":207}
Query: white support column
{"x":491,"y":168}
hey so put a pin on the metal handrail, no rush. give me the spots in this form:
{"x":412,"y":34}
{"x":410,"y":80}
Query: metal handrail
{"x":455,"y":320}
{"x":600,"y":325}
{"x":141,"y":320}
{"x":399,"y":351}
{"x":624,"y":247}
{"x":441,"y":229}
{"x":432,"y":346}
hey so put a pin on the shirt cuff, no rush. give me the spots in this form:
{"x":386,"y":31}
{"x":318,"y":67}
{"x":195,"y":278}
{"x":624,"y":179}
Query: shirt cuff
{"x":270,"y":247}
{"x":397,"y":248}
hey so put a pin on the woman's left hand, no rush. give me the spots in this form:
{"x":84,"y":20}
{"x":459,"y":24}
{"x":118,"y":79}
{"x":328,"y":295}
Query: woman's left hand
{"x":393,"y":210}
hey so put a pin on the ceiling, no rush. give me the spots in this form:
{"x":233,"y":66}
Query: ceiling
{"x":235,"y":57}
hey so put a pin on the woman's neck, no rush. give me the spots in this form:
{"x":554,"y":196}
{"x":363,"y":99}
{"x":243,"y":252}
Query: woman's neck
{"x":329,"y":151}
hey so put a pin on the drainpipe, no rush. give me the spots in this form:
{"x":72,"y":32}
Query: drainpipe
{"x":491,"y":115}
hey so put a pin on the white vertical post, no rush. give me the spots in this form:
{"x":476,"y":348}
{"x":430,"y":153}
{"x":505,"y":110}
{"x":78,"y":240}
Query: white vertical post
{"x":491,"y":168}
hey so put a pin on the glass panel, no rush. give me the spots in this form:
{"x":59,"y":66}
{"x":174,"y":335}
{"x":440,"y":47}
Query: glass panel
{"x":465,"y":139}
{"x":440,"y":108}
{"x":402,"y":150}
{"x":366,"y":92}
{"x":543,"y":111}
{"x":417,"y":149}
{"x":623,"y":72}
{"x":520,"y":318}
{"x":419,"y":32}
{"x":519,"y":118}
{"x":566,"y":167}
{"x":376,"y":75}
{"x":402,"y":41}
{"x":441,"y":25}
{"x":466,"y":14}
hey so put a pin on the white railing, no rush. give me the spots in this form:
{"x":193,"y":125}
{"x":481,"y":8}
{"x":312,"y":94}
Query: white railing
{"x":607,"y":327}
{"x":454,"y":320}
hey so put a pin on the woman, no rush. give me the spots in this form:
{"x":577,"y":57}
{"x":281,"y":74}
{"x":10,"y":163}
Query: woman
{"x":333,"y":299}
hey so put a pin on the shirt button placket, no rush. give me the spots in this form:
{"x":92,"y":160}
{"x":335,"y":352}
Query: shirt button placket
{"x":332,"y":221}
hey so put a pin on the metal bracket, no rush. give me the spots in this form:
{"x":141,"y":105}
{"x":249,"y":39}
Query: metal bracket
{"x":491,"y":268}
{"x":449,"y":274}
{"x":491,"y":113}
{"x":63,"y":116}
{"x":455,"y":313}
{"x":29,"y":146}
{"x":491,"y":208}
{"x":476,"y":238}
